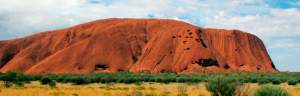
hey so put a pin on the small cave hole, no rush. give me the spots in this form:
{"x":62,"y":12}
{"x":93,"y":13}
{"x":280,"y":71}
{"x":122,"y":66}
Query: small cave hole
{"x":121,"y":70}
{"x":207,"y":62}
{"x":173,"y":36}
{"x":179,"y":36}
{"x":190,"y":33}
{"x":188,"y":30}
{"x":185,"y":68}
{"x":184,"y":42}
{"x":165,"y":71}
{"x":188,"y":48}
{"x":226,"y":66}
{"x":241,"y":65}
{"x":258,"y":68}
{"x":186,"y":36}
{"x":236,"y":49}
{"x":101,"y":67}
{"x":200,"y":31}
{"x":79,"y":67}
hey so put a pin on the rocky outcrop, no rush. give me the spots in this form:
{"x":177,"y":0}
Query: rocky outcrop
{"x":136,"y":45}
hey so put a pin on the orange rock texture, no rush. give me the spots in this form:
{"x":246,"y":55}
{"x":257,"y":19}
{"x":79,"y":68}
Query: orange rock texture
{"x":135,"y":45}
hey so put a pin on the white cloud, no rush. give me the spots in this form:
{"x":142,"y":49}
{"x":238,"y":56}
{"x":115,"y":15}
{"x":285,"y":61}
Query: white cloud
{"x":287,"y":43}
{"x":278,"y":22}
{"x":22,"y":17}
{"x":249,"y":15}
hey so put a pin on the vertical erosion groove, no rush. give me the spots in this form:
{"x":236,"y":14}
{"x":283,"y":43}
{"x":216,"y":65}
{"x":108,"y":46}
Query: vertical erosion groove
{"x":6,"y":58}
{"x":200,"y":35}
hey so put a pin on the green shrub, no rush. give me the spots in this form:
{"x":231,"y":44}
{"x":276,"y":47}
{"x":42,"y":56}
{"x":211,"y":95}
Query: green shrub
{"x":52,"y":84}
{"x":79,"y":80}
{"x":276,"y":81}
{"x":10,"y":76}
{"x":270,"y":90}
{"x":222,"y":86}
{"x":263,"y":81}
{"x":292,"y":82}
{"x":45,"y":80}
{"x":181,"y":79}
{"x":16,"y":78}
{"x":108,"y":79}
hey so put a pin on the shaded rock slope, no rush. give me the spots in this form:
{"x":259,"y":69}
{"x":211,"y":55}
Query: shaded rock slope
{"x":135,"y":45}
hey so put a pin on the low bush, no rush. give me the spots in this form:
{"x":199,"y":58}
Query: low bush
{"x":45,"y":80}
{"x":263,"y":81}
{"x":270,"y":90}
{"x":276,"y":81}
{"x":10,"y":76}
{"x":52,"y":84}
{"x":292,"y":82}
{"x":222,"y":86}
{"x":79,"y":80}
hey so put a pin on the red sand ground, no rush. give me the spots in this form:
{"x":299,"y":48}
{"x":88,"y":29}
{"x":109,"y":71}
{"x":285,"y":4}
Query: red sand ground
{"x":136,"y":45}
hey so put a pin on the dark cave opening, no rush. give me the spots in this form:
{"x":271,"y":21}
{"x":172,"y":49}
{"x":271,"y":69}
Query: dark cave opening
{"x":241,"y":65}
{"x":101,"y":67}
{"x":207,"y":62}
{"x":200,"y":31}
{"x":226,"y":66}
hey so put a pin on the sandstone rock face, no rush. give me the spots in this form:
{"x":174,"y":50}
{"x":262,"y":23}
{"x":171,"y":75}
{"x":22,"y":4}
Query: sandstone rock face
{"x":136,"y":45}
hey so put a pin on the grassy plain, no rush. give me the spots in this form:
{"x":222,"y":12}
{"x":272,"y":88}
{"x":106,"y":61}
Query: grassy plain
{"x":120,"y":89}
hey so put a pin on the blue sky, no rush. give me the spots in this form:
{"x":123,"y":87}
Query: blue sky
{"x":276,"y":22}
